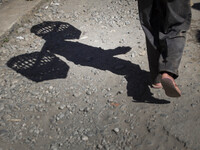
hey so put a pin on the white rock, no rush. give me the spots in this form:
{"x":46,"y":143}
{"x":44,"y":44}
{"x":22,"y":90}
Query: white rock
{"x":20,"y":37}
{"x":116,"y":130}
{"x":85,"y":138}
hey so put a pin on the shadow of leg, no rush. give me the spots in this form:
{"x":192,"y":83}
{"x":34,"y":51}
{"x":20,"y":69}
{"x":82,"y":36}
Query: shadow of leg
{"x":138,"y":88}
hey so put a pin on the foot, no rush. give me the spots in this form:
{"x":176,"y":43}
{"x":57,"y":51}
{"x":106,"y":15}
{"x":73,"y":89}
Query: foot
{"x":156,"y":82}
{"x":169,"y":85}
{"x":157,"y":85}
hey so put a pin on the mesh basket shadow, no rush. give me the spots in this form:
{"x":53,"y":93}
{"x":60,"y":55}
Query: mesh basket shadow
{"x":39,"y":66}
{"x":56,"y":30}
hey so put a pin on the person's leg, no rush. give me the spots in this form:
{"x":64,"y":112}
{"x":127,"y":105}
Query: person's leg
{"x":172,"y":40}
{"x":172,"y":34}
{"x":148,"y":14}
{"x":153,"y":59}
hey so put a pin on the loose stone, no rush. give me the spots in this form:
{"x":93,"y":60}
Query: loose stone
{"x":85,"y":138}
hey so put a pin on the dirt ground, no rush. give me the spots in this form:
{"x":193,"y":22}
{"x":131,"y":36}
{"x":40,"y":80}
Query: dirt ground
{"x":75,"y":77}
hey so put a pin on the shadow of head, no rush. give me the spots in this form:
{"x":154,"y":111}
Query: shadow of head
{"x":56,"y":30}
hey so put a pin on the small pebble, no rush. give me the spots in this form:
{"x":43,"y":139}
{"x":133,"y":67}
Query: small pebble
{"x":85,"y":138}
{"x":62,"y":107}
{"x":116,"y":130}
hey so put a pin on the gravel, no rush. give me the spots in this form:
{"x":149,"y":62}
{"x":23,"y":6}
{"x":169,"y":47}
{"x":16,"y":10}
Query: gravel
{"x":90,"y":90}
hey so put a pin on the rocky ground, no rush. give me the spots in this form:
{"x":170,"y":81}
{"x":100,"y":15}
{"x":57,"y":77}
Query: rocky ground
{"x":75,"y":77}
{"x":4,"y":2}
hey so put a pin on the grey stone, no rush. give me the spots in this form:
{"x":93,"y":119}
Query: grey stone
{"x":1,"y":106}
{"x":62,"y":107}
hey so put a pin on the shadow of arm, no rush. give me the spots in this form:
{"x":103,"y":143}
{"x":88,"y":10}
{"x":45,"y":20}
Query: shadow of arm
{"x":118,"y":51}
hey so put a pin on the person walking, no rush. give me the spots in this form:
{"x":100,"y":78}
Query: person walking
{"x":165,"y":23}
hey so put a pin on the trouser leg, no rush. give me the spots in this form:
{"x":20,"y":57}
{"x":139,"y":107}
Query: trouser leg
{"x":177,"y":17}
{"x":147,"y":13}
{"x":164,"y":23}
{"x":153,"y":59}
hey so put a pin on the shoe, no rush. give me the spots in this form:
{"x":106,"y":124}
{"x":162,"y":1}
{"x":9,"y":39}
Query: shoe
{"x":169,"y":85}
{"x":157,"y":86}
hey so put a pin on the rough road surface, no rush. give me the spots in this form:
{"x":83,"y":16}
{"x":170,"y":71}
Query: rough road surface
{"x":75,"y":77}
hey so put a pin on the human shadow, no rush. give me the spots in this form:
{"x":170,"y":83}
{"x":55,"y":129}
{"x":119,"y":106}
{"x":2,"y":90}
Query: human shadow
{"x":196,"y":6}
{"x":58,"y":37}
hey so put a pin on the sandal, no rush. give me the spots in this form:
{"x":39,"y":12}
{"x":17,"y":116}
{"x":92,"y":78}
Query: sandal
{"x":169,"y":85}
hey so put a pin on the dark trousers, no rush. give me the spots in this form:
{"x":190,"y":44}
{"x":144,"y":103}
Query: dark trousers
{"x":165,"y":23}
